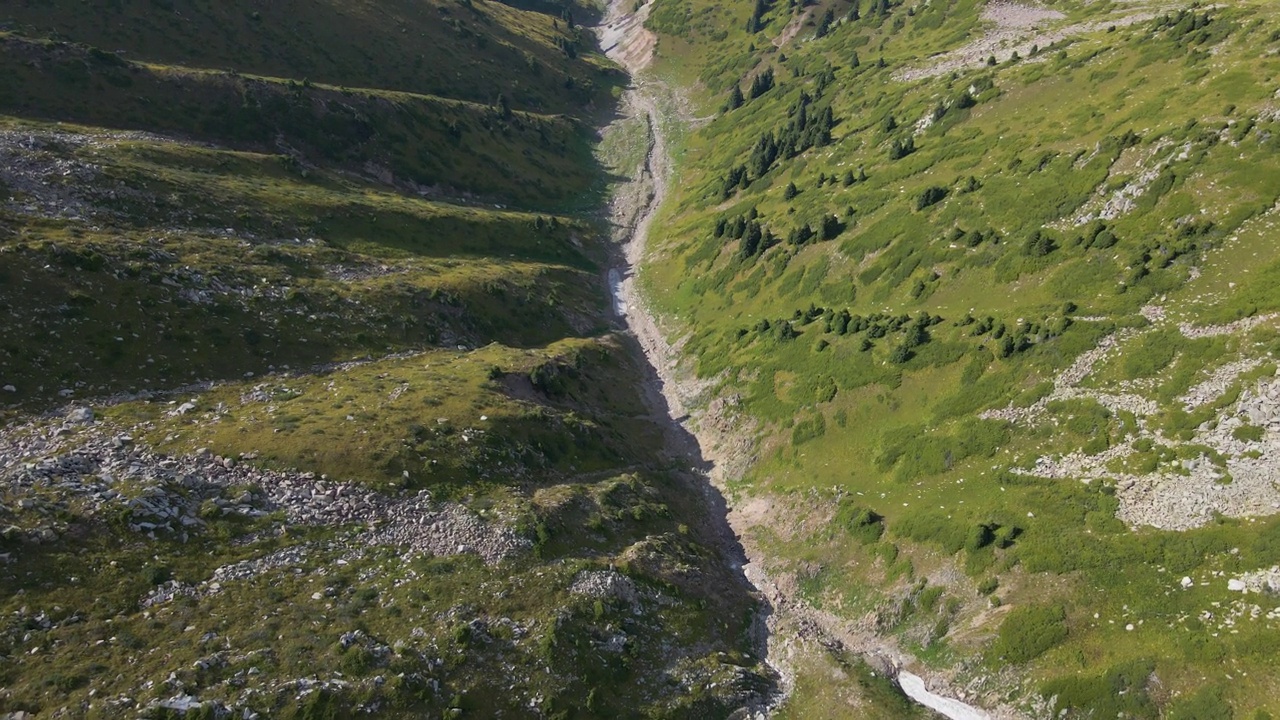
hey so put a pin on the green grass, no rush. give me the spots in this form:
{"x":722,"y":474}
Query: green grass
{"x":554,"y":440}
{"x":978,"y":225}
{"x":443,"y":420}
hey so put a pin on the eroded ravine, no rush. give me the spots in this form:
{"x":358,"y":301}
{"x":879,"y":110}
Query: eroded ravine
{"x":785,"y":621}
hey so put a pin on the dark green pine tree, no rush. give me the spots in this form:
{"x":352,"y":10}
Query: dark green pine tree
{"x":735,"y":99}
{"x":824,"y":25}
{"x":756,"y":23}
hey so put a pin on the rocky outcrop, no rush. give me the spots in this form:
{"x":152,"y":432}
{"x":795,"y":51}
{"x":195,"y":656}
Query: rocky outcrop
{"x":1235,"y":472}
{"x":77,"y":468}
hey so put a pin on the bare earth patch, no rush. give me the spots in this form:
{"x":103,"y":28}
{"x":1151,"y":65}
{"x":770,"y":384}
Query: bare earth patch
{"x":624,"y":38}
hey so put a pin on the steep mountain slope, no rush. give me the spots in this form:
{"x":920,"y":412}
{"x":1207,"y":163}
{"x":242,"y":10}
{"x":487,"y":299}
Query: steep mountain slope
{"x":990,"y":287}
{"x":459,"y":50}
{"x":302,"y":417}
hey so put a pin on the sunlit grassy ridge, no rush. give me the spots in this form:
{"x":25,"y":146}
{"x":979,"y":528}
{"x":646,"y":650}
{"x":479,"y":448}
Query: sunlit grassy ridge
{"x":983,"y":229}
{"x":316,"y":268}
{"x":450,"y":420}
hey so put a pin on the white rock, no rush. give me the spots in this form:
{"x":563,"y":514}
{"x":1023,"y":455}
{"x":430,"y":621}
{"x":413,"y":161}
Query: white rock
{"x":1236,"y":585}
{"x":1187,"y":582}
{"x":10,"y":388}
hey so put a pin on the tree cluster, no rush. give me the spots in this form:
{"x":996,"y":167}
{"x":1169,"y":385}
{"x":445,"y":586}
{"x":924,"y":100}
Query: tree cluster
{"x":1182,"y":25}
{"x":1022,"y":336}
{"x":761,"y":83}
{"x":1039,"y":243}
{"x":806,"y":129}
{"x":930,"y":196}
{"x":828,"y":229}
{"x":755,"y":237}
{"x":734,"y":101}
{"x":899,"y":149}
{"x":824,"y":25}
{"x":973,"y":238}
{"x":568,"y":45}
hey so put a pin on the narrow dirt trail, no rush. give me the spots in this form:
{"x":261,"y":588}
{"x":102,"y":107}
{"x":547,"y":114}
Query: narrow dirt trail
{"x":786,"y":624}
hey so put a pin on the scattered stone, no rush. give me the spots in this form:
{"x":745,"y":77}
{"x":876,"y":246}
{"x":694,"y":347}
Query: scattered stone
{"x":1239,"y":480}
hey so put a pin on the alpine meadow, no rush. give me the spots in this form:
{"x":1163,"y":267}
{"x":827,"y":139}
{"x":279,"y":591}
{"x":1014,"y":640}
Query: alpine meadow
{"x":874,"y":359}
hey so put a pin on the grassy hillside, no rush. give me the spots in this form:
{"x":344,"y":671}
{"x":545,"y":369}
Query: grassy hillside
{"x":900,"y":241}
{"x":311,"y":405}
{"x":466,"y":51}
{"x":419,"y":142}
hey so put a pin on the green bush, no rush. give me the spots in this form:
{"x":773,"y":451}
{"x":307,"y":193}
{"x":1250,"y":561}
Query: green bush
{"x":1248,"y":433}
{"x":156,"y":574}
{"x":1118,"y":692}
{"x":933,"y":527}
{"x":930,"y":196}
{"x":928,"y":598}
{"x":1030,"y":631}
{"x":979,"y":537}
{"x":810,"y":429}
{"x":1207,"y":704}
{"x":1151,"y":354}
{"x":859,"y":522}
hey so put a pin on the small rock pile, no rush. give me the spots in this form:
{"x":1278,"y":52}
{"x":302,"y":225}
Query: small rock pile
{"x":1259,"y":581}
{"x":606,"y":585}
{"x":1244,"y":325}
{"x":40,"y":182}
{"x":436,"y":529}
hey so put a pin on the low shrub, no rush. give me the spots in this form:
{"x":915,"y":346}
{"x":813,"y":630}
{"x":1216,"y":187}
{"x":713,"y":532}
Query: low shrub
{"x":1030,"y":631}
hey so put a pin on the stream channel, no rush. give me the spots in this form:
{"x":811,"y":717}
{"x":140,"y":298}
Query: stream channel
{"x":625,"y":40}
